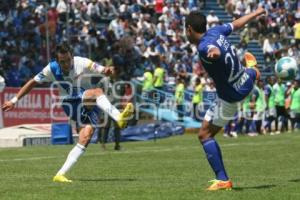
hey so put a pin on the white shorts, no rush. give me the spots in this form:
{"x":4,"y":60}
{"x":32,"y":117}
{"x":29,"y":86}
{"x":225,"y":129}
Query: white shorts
{"x":292,"y":114}
{"x":221,"y":112}
{"x":271,"y":112}
{"x":258,"y":116}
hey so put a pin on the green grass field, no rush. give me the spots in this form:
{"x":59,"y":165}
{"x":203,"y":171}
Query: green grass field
{"x":264,"y":167}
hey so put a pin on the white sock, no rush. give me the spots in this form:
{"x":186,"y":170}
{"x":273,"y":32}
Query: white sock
{"x":72,"y":158}
{"x":107,"y":107}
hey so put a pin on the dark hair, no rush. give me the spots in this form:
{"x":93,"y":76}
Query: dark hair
{"x":63,"y":48}
{"x":260,"y":81}
{"x":268,"y":78}
{"x":197,"y":21}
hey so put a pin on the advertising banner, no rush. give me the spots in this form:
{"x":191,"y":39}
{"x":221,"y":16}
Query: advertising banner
{"x":37,"y":107}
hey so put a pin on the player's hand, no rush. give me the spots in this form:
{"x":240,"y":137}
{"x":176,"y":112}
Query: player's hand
{"x":214,"y":53}
{"x":109,"y":70}
{"x":7,"y":106}
{"x":260,"y":11}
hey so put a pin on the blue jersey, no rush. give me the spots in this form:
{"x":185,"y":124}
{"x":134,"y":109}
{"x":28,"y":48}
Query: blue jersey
{"x":233,"y":81}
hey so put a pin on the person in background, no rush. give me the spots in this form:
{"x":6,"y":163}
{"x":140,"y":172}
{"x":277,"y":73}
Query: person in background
{"x":247,"y":114}
{"x":270,"y":103}
{"x":158,"y":82}
{"x":147,"y":85}
{"x":212,"y":19}
{"x":297,"y":31}
{"x":197,"y":99}
{"x":248,"y":107}
{"x":295,"y":105}
{"x":279,"y":93}
{"x":258,"y":100}
{"x":107,"y":84}
{"x":179,"y":98}
{"x":287,"y":103}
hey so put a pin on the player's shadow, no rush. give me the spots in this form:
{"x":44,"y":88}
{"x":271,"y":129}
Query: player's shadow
{"x":258,"y":187}
{"x":107,"y":179}
{"x":295,"y":180}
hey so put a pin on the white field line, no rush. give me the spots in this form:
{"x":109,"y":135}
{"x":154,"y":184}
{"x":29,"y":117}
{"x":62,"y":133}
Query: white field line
{"x":139,"y":151}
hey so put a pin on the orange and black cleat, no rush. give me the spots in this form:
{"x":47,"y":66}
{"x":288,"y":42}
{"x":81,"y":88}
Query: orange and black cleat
{"x":219,"y":185}
{"x":251,"y":62}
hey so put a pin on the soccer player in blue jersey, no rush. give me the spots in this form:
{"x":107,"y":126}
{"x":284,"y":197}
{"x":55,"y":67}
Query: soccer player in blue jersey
{"x":233,"y":83}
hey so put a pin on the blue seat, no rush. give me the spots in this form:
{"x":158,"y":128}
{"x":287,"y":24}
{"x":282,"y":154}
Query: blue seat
{"x":61,"y":133}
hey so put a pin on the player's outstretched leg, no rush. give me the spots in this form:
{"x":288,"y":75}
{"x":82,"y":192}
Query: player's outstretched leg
{"x":104,"y":104}
{"x":85,"y":135}
{"x":214,"y":156}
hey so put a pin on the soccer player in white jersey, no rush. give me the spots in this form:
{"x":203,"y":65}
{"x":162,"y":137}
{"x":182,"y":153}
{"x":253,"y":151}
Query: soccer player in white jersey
{"x":72,"y":75}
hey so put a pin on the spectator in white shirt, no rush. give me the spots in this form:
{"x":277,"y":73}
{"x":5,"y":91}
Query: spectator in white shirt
{"x":62,"y":9}
{"x":212,"y":19}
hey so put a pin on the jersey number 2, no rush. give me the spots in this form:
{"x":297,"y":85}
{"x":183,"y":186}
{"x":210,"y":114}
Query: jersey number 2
{"x":235,"y":65}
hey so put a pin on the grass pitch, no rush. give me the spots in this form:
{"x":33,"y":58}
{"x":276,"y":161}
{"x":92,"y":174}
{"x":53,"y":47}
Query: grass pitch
{"x":264,"y":167}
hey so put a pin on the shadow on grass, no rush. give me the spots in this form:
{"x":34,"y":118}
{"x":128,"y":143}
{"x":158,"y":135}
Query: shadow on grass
{"x":259,"y":187}
{"x":107,"y":179}
{"x":294,"y":180}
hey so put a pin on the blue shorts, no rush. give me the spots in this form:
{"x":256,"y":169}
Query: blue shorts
{"x":74,"y":109}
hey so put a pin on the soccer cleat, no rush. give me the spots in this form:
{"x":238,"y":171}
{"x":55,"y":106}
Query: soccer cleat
{"x":125,"y":115}
{"x":252,"y":63}
{"x":61,"y":179}
{"x":250,"y":59}
{"x":219,"y":185}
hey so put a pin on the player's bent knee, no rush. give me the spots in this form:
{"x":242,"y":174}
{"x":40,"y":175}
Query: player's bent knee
{"x":93,"y":93}
{"x":203,"y":134}
{"x":97,"y":91}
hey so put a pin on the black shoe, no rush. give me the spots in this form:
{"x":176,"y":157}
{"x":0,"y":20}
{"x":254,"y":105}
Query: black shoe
{"x":118,"y":148}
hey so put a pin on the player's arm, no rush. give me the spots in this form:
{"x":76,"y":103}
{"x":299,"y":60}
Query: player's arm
{"x":241,"y":22}
{"x":99,"y":69}
{"x":253,"y":99}
{"x":289,"y":91}
{"x":22,"y":92}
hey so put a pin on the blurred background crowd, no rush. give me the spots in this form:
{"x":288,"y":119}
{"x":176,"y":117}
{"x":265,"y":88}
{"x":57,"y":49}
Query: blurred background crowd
{"x":278,"y":32}
{"x":132,"y":34}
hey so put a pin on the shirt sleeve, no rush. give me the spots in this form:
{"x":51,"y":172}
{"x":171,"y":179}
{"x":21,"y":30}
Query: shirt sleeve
{"x":95,"y":68}
{"x":225,"y":29}
{"x":45,"y":76}
{"x":90,"y":66}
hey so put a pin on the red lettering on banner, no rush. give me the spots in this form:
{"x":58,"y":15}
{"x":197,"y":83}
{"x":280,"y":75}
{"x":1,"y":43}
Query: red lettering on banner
{"x":33,"y":108}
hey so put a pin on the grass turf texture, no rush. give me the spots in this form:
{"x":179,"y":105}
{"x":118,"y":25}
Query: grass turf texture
{"x":264,"y":167}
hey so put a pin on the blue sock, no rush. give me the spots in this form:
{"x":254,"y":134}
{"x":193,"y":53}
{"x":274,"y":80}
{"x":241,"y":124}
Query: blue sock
{"x":214,"y":157}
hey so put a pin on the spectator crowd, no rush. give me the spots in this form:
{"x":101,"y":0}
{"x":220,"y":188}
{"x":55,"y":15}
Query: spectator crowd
{"x":132,"y":34}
